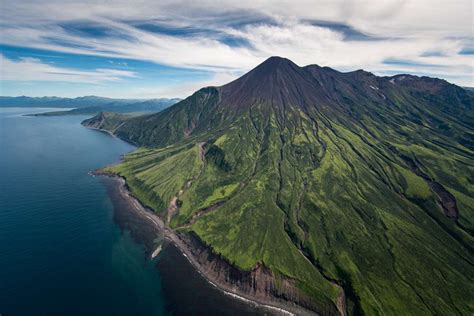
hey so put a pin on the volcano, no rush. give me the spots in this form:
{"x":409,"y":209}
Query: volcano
{"x":339,"y":192}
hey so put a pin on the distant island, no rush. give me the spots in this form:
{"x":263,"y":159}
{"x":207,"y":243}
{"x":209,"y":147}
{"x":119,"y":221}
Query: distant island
{"x":88,"y":104}
{"x":304,"y":187}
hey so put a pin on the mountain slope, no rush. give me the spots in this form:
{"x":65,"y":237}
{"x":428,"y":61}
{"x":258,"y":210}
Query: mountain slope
{"x":346,"y":183}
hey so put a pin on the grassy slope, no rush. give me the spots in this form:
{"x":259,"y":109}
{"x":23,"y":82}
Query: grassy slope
{"x":108,"y":121}
{"x":320,"y":196}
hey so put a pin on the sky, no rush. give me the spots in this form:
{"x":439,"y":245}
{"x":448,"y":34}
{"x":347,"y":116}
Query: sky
{"x":162,"y":48}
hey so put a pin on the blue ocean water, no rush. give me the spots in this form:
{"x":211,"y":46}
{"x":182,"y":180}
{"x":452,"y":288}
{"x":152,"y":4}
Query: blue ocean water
{"x":61,"y":252}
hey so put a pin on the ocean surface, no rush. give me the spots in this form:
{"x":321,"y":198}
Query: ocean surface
{"x":63,"y":248}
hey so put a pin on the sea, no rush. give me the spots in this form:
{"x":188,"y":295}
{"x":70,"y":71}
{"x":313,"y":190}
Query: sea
{"x":66,"y":247}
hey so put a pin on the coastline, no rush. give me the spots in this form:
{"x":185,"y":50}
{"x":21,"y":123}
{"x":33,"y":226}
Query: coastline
{"x":104,"y":131}
{"x":275,"y":306}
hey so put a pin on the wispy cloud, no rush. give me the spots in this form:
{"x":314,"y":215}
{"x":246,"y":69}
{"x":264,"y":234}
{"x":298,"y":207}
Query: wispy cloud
{"x":230,"y":37}
{"x":32,"y":69}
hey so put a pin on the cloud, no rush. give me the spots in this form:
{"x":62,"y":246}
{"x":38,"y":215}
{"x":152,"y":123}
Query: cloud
{"x":33,"y":69}
{"x":229,"y":37}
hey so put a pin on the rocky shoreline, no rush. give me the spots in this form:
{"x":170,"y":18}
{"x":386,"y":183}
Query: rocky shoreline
{"x":259,"y":286}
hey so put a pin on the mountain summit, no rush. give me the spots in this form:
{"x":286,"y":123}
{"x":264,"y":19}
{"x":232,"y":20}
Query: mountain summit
{"x":277,"y":82}
{"x":340,"y":192}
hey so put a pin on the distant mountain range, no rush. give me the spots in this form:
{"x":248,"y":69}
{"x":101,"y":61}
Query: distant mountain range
{"x":341,"y":192}
{"x":89,"y":104}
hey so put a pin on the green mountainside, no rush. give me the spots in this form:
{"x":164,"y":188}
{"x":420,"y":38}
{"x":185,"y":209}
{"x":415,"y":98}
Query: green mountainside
{"x":108,"y":121}
{"x":323,"y":177}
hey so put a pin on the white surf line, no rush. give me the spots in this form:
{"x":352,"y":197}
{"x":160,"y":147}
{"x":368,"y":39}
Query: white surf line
{"x":251,"y":302}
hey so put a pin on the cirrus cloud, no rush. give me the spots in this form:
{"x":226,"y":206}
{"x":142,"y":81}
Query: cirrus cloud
{"x":32,"y":69}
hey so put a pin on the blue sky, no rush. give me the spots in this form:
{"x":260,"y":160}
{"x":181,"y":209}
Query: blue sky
{"x":147,"y":48}
{"x":131,"y":78}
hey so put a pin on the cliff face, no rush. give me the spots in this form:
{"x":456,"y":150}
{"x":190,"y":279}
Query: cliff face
{"x":259,"y":284}
{"x":96,"y":121}
{"x":107,"y":121}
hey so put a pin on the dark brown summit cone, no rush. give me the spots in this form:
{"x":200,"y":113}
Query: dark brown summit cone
{"x":277,"y":82}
